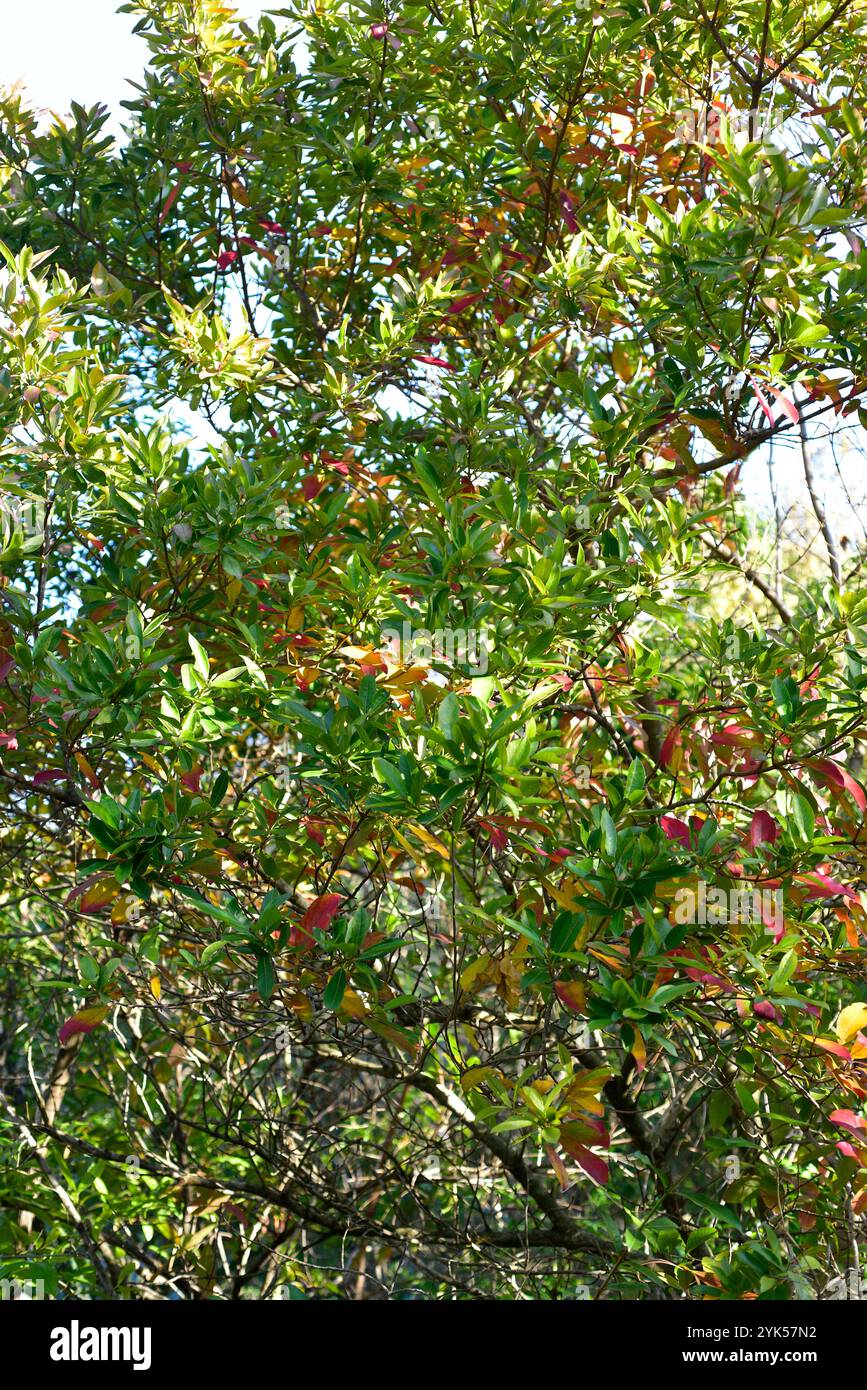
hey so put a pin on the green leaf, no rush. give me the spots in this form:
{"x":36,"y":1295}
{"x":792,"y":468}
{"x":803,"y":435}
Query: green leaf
{"x":214,"y":950}
{"x":635,"y":780}
{"x":223,"y":914}
{"x":609,"y":834}
{"x":447,"y":716}
{"x":200,"y":657}
{"x":266,"y":977}
{"x":335,"y":990}
{"x":805,"y":820}
{"x":387,"y":772}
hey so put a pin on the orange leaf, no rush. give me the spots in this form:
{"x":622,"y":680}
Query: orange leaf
{"x":95,"y":893}
{"x":571,"y":995}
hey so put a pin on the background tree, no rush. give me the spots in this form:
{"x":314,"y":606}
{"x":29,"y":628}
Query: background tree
{"x":390,"y":769}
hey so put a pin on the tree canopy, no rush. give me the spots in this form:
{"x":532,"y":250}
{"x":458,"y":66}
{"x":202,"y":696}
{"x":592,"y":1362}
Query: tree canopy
{"x":431,"y":830}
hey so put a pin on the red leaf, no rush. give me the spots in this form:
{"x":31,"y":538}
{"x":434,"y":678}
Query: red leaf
{"x":499,"y":838}
{"x":673,"y":741}
{"x":762,"y":401}
{"x":339,"y":465}
{"x":599,"y":1126}
{"x":311,"y":486}
{"x":51,"y":774}
{"x":790,"y":408}
{"x":763,"y":1008}
{"x":774,"y":919}
{"x":763,"y":829}
{"x":675,"y":829}
{"x":735,"y":736}
{"x":836,"y":777}
{"x":313,"y":831}
{"x":847,"y":1119}
{"x":559,"y":1167}
{"x":706,"y":977}
{"x":83,"y":1022}
{"x":825,"y":887}
{"x":458,"y":305}
{"x":567,"y":206}
{"x":167,"y":205}
{"x":225,"y":259}
{"x":594,"y":1166}
{"x":320,"y":913}
{"x":846,"y":1149}
{"x":433,"y":361}
{"x":556,"y":856}
{"x":836,"y":1049}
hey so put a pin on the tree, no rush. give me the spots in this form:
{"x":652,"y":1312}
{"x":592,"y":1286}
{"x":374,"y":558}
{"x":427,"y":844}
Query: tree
{"x":431,"y":825}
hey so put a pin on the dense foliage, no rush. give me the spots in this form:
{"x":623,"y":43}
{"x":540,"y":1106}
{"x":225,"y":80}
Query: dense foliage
{"x":430,"y":824}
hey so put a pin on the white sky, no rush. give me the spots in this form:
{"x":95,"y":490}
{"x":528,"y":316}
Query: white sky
{"x":79,"y":50}
{"x":64,"y":50}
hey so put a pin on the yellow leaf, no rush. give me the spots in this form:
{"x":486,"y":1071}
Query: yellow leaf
{"x":567,"y":894}
{"x":546,"y":339}
{"x":409,"y":166}
{"x":639,"y":1049}
{"x":86,"y":768}
{"x":612,"y":961}
{"x":99,"y":895}
{"x":412,"y":676}
{"x":396,"y":1036}
{"x":572,"y":995}
{"x":621,"y":127}
{"x":428,"y":840}
{"x":405,"y":844}
{"x":357,"y":653}
{"x":622,"y":363}
{"x":583,"y":1091}
{"x":299,"y":1004}
{"x":351,"y":1005}
{"x":852,"y":1020}
{"x":122,"y":911}
{"x":473,"y":971}
{"x":476,"y":1077}
{"x":156,"y":987}
{"x":667,"y":890}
